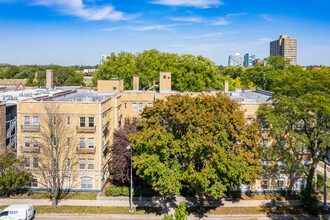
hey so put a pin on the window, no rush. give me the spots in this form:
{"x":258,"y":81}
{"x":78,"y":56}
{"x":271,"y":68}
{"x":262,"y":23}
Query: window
{"x":27,"y":162}
{"x":35,"y":142}
{"x":82,"y":164}
{"x":26,"y":142}
{"x":280,"y":165}
{"x":86,"y":183}
{"x":265,"y":125}
{"x":91,"y":122}
{"x":34,"y":182}
{"x":265,"y":165}
{"x":82,"y":143}
{"x":125,"y":106}
{"x":265,"y":143}
{"x":140,"y":107}
{"x":35,"y":163}
{"x":54,"y":121}
{"x":301,"y":184}
{"x":280,"y":184}
{"x":68,"y":142}
{"x":249,"y":121}
{"x":27,"y":121}
{"x":90,"y":142}
{"x":134,"y":107}
{"x":306,"y":164}
{"x":35,"y":121}
{"x":67,"y":121}
{"x":91,"y":164}
{"x":264,"y":184}
{"x":68,"y":163}
{"x":149,"y":104}
{"x":82,"y":122}
{"x":164,"y":77}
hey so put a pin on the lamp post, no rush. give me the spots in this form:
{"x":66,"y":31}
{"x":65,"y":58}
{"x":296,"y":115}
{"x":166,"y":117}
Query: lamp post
{"x":131,"y":184}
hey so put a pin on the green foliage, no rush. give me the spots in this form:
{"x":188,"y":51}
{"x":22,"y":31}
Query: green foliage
{"x":202,"y":142}
{"x":189,"y":73}
{"x":145,"y":192}
{"x":299,"y":117}
{"x":309,"y":200}
{"x":187,"y":191}
{"x":168,"y":217}
{"x":12,"y":173}
{"x":117,"y":191}
{"x":29,"y":192}
{"x":75,"y":80}
{"x":319,"y":181}
{"x":181,"y":212}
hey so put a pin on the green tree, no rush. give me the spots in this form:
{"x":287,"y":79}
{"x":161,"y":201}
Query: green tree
{"x":181,"y":211}
{"x":12,"y":173}
{"x":75,"y":80}
{"x":10,"y":72}
{"x":203,"y":142}
{"x":299,"y":121}
{"x":189,"y":73}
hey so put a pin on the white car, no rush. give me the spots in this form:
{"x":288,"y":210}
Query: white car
{"x":18,"y":212}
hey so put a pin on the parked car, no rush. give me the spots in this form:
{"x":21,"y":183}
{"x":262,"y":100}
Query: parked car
{"x":18,"y":212}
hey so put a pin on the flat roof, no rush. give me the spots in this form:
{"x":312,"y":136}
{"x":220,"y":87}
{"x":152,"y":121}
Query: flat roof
{"x":82,"y":96}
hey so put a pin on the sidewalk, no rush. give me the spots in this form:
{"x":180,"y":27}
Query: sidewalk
{"x":152,"y":203}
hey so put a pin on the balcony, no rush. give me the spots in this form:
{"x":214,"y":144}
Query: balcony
{"x":85,"y":150}
{"x":30,"y":149}
{"x":31,"y":128}
{"x":106,"y":146}
{"x":86,"y":129}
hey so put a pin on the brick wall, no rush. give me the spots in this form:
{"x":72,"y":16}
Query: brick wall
{"x":2,"y":127}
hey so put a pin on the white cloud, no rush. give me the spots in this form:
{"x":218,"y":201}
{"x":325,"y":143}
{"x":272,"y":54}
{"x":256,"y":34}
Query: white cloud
{"x":79,"y":9}
{"x":141,"y":28}
{"x":262,"y":41}
{"x":187,"y":19}
{"x":267,"y":18}
{"x":236,"y":14}
{"x":189,"y":3}
{"x":210,"y":35}
{"x":219,"y":22}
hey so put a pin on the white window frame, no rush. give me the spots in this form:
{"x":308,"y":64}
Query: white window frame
{"x":82,"y":164}
{"x":134,"y":107}
{"x":265,"y":125}
{"x":86,"y":183}
{"x":140,"y":107}
{"x":90,"y":164}
{"x":90,"y":143}
{"x":301,"y":184}
{"x":91,"y":120}
{"x":27,"y":142}
{"x":262,"y":185}
{"x":25,"y":162}
{"x":149,"y":105}
{"x":35,"y":121}
{"x":35,"y":142}
{"x":27,"y":122}
{"x":34,"y":184}
{"x":82,"y":120}
{"x":277,"y":185}
{"x":82,"y":140}
{"x":35,"y":161}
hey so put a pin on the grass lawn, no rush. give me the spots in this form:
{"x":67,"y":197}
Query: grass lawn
{"x":278,"y":197}
{"x":44,"y":195}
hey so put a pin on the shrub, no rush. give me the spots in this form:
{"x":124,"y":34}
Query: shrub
{"x":320,"y":181}
{"x":309,"y":200}
{"x":168,"y":217}
{"x":116,"y":191}
{"x":187,"y":191}
{"x":147,"y":192}
{"x":29,"y":192}
{"x":181,"y":211}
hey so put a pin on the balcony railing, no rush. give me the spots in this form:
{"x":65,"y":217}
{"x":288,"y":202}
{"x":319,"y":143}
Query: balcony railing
{"x":31,"y":128}
{"x":86,"y":129}
{"x":106,"y":125}
{"x":30,"y":149}
{"x":85,"y":150}
{"x":106,"y":146}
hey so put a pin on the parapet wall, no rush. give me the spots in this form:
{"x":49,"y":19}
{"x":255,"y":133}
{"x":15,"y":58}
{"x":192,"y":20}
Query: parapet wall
{"x":12,"y":82}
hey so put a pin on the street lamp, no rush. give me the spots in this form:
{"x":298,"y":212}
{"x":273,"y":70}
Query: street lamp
{"x":131,"y":185}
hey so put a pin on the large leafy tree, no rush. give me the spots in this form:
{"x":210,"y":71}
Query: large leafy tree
{"x":299,"y":121}
{"x":189,"y":73}
{"x":203,"y":142}
{"x":12,"y":173}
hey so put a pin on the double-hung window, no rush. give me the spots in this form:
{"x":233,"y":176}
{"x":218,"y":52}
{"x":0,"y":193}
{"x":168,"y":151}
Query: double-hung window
{"x":35,"y":121}
{"x":27,"y":162}
{"x":91,"y":122}
{"x":86,"y":183}
{"x":35,"y":163}
{"x":90,"y":143}
{"x":35,"y":142}
{"x":82,"y":164}
{"x":27,"y":142}
{"x":149,"y":104}
{"x":27,"y":121}
{"x":82,"y":122}
{"x":91,"y":164}
{"x":140,"y":107}
{"x":82,"y":143}
{"x":134,"y":107}
{"x":265,"y":125}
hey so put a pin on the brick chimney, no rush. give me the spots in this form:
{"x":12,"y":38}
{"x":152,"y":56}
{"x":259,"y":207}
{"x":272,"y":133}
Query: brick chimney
{"x":226,"y":87}
{"x":49,"y":79}
{"x":135,"y":83}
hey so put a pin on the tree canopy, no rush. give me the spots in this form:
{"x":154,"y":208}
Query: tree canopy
{"x":189,"y":73}
{"x":203,"y":142}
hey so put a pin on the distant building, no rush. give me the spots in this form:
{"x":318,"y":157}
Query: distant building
{"x":235,"y":60}
{"x":248,"y":60}
{"x":286,"y":47}
{"x":255,"y":61}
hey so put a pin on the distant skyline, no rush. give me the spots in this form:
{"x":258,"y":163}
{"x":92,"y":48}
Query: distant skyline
{"x":78,"y":32}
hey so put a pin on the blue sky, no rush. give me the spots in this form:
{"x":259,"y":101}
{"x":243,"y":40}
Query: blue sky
{"x":70,"y":32}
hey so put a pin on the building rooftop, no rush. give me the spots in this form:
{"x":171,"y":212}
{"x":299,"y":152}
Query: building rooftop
{"x":85,"y":96}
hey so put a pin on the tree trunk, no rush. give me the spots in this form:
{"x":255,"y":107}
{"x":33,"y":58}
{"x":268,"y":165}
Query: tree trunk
{"x":310,"y":178}
{"x":201,"y":203}
{"x":53,"y":200}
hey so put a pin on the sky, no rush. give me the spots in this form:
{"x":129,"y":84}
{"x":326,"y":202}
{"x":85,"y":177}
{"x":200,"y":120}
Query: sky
{"x":78,"y":32}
